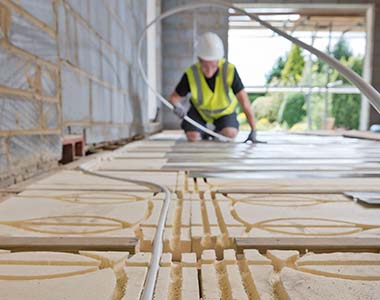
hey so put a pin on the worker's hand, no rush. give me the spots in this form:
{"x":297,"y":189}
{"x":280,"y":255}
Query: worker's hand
{"x":251,"y":137}
{"x":179,"y":110}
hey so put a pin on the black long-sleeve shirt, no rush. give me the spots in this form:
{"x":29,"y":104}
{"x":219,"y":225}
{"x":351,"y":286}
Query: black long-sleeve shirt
{"x":183,"y":87}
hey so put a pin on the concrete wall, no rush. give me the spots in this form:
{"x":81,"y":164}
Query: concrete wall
{"x":179,"y":32}
{"x":67,"y":66}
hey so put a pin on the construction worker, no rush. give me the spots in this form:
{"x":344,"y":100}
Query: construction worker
{"x":216,"y":89}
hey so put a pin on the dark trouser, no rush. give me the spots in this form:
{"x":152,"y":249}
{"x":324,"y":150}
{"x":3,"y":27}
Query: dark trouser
{"x":223,"y":122}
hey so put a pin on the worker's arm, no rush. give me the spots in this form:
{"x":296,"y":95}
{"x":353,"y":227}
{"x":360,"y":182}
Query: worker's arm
{"x":243,"y":99}
{"x":178,"y":109}
{"x":174,"y":98}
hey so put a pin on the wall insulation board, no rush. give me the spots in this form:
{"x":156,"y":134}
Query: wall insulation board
{"x":66,"y":67}
{"x":30,"y":121}
{"x":97,"y":42}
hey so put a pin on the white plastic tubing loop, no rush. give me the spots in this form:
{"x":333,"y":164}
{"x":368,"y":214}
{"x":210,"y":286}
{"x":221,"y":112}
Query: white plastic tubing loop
{"x":154,"y":264}
{"x":369,"y":91}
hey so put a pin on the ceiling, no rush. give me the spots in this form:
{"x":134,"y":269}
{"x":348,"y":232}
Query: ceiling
{"x":303,"y":19}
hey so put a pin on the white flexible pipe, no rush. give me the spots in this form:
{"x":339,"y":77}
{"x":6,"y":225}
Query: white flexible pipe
{"x":369,"y":91}
{"x":154,"y":265}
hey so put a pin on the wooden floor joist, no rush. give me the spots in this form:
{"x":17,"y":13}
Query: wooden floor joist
{"x":71,"y":244}
{"x":315,"y":244}
{"x":366,"y":135}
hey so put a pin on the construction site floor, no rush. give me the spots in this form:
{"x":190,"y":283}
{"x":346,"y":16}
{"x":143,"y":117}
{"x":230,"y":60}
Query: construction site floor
{"x":263,"y":221}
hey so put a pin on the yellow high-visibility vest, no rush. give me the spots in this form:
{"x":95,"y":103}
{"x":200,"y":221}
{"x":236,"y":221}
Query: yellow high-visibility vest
{"x":212,"y":105}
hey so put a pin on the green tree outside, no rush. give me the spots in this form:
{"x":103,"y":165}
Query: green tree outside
{"x":345,"y":108}
{"x":289,"y":110}
{"x":292,"y":110}
{"x":274,"y":74}
{"x":293,"y":69}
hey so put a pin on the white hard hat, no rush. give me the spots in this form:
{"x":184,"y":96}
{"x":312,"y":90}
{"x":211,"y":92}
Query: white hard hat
{"x":210,"y":47}
{"x":375,"y":128}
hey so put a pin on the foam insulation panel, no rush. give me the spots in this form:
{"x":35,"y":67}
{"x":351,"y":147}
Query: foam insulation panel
{"x":216,"y":207}
{"x":276,"y":274}
{"x":83,"y":275}
{"x":228,"y":234}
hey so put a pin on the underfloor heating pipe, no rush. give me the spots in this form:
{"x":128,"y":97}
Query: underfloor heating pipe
{"x":154,"y":265}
